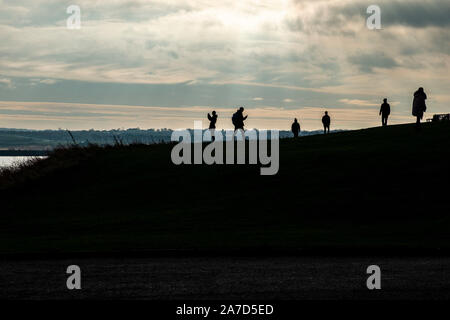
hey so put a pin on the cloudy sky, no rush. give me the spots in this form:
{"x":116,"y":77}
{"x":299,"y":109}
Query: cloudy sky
{"x":137,"y":63}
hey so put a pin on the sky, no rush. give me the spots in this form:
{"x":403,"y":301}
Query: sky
{"x":164,"y":64}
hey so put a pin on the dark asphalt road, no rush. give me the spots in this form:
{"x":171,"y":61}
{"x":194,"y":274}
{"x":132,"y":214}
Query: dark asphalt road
{"x":228,"y":278}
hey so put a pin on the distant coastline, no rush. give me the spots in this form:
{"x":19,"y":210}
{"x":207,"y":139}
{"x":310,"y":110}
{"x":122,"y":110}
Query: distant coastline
{"x":23,"y":142}
{"x":23,"y":153}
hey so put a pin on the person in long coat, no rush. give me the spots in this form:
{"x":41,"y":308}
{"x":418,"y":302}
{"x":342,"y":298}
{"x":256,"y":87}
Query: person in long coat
{"x":419,"y":106}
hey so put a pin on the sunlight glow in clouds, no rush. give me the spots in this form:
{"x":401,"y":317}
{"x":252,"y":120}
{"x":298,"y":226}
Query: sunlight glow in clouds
{"x":290,"y":55}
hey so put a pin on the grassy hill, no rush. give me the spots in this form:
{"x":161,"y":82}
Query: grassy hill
{"x":380,"y":188}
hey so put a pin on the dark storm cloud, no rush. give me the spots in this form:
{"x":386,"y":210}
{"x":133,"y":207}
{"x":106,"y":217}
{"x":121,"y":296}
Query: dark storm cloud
{"x":366,"y":62}
{"x":334,"y":17}
{"x":417,"y":14}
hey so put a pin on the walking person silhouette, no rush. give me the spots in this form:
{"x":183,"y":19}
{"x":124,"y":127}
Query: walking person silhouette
{"x":326,"y":121}
{"x":419,"y":106}
{"x":385,"y":111}
{"x":295,"y":128}
{"x":238,"y":119}
{"x":212,"y":124}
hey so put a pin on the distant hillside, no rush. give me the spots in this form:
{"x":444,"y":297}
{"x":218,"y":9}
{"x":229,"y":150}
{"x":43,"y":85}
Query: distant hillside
{"x":376,"y":189}
{"x":49,"y":139}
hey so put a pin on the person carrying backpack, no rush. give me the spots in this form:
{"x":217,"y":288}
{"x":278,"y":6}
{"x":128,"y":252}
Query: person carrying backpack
{"x":238,"y":119}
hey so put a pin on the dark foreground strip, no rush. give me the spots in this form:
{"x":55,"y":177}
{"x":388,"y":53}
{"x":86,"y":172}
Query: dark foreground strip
{"x":23,"y":153}
{"x":222,"y":309}
{"x":258,"y":252}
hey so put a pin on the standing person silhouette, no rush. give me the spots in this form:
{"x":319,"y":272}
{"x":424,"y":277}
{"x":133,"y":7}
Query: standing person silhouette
{"x":212,"y":124}
{"x":326,"y":121}
{"x":419,"y":106}
{"x":238,"y":119}
{"x":295,"y":128}
{"x":385,"y":111}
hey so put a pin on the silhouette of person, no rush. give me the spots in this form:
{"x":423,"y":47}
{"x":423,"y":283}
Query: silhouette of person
{"x":419,"y":106}
{"x":212,"y":124}
{"x":295,"y":128}
{"x":385,"y":111}
{"x":326,"y":121}
{"x":238,"y":119}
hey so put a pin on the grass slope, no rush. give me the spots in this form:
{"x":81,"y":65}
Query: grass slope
{"x":374,"y":188}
